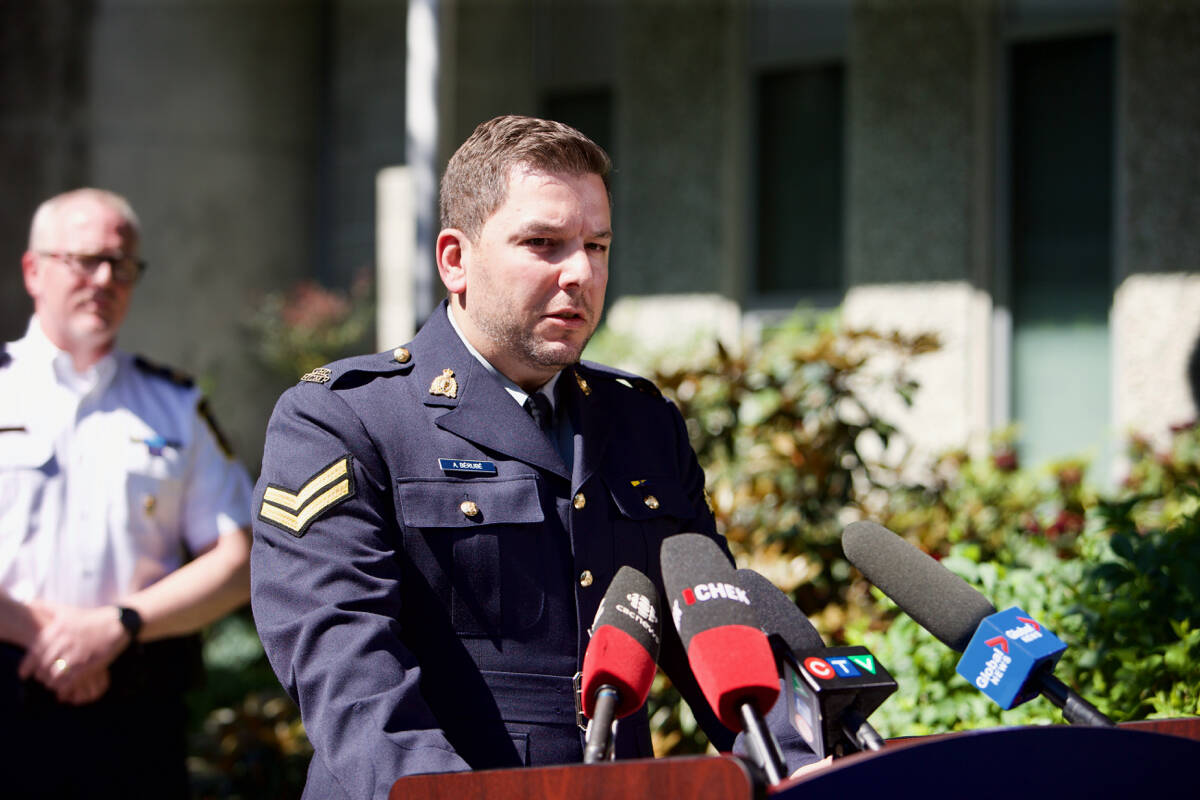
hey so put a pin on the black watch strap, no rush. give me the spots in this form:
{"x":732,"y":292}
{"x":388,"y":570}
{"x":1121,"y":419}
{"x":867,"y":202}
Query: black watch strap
{"x":131,"y":621}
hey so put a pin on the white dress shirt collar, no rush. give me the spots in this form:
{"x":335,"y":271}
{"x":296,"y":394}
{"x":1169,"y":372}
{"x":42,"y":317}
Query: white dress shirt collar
{"x":39,"y":351}
{"x":515,"y":391}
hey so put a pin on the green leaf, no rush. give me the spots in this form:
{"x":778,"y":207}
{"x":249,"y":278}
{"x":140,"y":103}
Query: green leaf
{"x":1122,"y":546}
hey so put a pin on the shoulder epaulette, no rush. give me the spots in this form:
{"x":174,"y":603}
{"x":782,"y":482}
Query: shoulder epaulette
{"x":222,"y":440}
{"x":166,"y":373}
{"x":620,"y":376}
{"x":399,"y":359}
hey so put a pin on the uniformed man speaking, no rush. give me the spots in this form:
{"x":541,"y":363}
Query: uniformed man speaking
{"x":436,"y":525}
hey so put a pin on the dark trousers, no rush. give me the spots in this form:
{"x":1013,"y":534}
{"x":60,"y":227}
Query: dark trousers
{"x":130,"y":743}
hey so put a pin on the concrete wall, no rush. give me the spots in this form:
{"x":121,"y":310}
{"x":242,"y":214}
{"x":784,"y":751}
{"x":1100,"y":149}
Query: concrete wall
{"x":246,"y":133}
{"x":362,"y":120}
{"x":207,"y":123}
{"x":487,"y":65}
{"x":675,"y":86}
{"x":43,"y":133}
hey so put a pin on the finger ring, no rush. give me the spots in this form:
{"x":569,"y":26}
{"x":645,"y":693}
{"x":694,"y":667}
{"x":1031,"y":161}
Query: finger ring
{"x":60,"y":666}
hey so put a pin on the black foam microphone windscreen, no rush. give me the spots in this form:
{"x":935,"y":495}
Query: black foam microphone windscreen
{"x":778,"y":614}
{"x":940,"y":601}
{"x":624,"y":644}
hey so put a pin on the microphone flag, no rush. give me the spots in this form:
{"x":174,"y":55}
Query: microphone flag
{"x":1007,"y":649}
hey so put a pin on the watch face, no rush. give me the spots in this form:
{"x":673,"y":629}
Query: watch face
{"x":131,"y":621}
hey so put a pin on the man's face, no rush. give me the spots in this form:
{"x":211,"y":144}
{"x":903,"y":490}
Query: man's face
{"x":536,"y":274}
{"x":80,"y":313}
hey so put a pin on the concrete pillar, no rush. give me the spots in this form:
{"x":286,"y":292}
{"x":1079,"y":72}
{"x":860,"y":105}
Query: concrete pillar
{"x":1156,"y":311}
{"x":396,"y":260}
{"x":920,"y":166}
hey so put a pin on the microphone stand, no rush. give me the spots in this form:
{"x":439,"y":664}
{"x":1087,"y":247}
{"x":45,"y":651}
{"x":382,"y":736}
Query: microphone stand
{"x":1076,"y":710}
{"x":765,"y":747}
{"x":599,"y":729}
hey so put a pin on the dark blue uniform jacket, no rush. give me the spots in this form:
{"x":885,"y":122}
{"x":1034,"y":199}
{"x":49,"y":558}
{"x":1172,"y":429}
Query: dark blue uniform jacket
{"x":426,"y":619}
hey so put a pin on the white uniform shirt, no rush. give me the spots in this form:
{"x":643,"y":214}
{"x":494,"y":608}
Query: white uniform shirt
{"x":108,"y":480}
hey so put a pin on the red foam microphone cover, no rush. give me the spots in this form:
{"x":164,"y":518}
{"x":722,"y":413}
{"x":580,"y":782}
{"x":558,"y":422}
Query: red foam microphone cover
{"x":734,"y":664}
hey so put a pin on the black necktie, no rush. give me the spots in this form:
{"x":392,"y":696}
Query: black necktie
{"x":537,"y":405}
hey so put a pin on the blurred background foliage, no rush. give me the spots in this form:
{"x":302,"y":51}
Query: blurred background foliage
{"x":308,"y":325}
{"x":794,"y":448}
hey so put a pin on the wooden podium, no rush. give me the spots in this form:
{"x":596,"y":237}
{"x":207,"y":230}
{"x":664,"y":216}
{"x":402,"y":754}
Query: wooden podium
{"x":1052,"y":761}
{"x":712,"y":777}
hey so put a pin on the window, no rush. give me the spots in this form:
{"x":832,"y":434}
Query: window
{"x":1061,"y":129}
{"x":799,"y":241}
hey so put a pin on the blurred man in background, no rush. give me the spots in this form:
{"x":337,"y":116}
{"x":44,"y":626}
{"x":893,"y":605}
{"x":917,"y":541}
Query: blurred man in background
{"x":123,"y":525}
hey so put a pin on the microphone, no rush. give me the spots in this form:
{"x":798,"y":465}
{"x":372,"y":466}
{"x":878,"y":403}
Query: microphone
{"x":1021,"y":653}
{"x":830,"y":691}
{"x":728,"y":652}
{"x":618,"y":665}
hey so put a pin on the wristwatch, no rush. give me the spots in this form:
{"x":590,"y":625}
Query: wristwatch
{"x":131,"y":621}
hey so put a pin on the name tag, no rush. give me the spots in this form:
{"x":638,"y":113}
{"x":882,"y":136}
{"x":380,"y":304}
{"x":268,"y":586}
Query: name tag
{"x":467,"y":467}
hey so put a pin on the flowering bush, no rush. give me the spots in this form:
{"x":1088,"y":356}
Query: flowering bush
{"x":308,"y":325}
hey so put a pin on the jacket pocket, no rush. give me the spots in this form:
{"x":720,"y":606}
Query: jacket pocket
{"x":646,"y":511}
{"x":479,"y":543}
{"x":154,"y":481}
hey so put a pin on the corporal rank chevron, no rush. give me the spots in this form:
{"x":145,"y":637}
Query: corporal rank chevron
{"x":294,"y":512}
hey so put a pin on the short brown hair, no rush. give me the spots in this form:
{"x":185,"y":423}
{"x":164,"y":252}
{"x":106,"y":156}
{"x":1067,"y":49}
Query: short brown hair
{"x":475,"y":183}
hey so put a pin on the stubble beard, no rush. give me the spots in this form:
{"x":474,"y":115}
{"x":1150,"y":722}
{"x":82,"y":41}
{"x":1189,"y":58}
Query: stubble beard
{"x":510,"y":335}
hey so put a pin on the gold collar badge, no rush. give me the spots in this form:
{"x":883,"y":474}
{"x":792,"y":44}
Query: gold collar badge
{"x":583,"y":384}
{"x":445,"y":384}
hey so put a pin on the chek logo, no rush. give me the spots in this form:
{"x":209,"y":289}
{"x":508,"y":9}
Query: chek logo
{"x":709,"y":591}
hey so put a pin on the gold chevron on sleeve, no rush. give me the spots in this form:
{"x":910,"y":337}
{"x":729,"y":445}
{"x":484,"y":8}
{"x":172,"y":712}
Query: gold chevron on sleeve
{"x":293,"y":501}
{"x":295,"y":511}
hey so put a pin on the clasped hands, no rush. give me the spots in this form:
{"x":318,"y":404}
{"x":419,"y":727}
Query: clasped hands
{"x":72,"y":649}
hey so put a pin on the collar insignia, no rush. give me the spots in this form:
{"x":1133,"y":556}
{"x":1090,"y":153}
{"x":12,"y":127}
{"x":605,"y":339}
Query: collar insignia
{"x":444,"y":384}
{"x":583,"y":384}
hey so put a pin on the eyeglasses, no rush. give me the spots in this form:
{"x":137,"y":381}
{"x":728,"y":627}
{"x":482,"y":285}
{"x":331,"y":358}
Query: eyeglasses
{"x":125,"y":269}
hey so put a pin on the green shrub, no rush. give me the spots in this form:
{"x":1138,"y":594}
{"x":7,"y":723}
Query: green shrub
{"x":779,"y":428}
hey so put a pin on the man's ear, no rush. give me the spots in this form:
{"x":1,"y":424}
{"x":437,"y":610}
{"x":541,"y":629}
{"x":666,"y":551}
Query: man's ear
{"x":453,"y":250}
{"x":30,"y":269}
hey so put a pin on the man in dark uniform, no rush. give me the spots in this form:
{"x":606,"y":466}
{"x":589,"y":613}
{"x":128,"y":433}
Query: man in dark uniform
{"x":435,"y":525}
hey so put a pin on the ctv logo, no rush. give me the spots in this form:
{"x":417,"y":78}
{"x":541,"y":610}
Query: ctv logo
{"x":840,"y":667}
{"x":710,"y":591}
